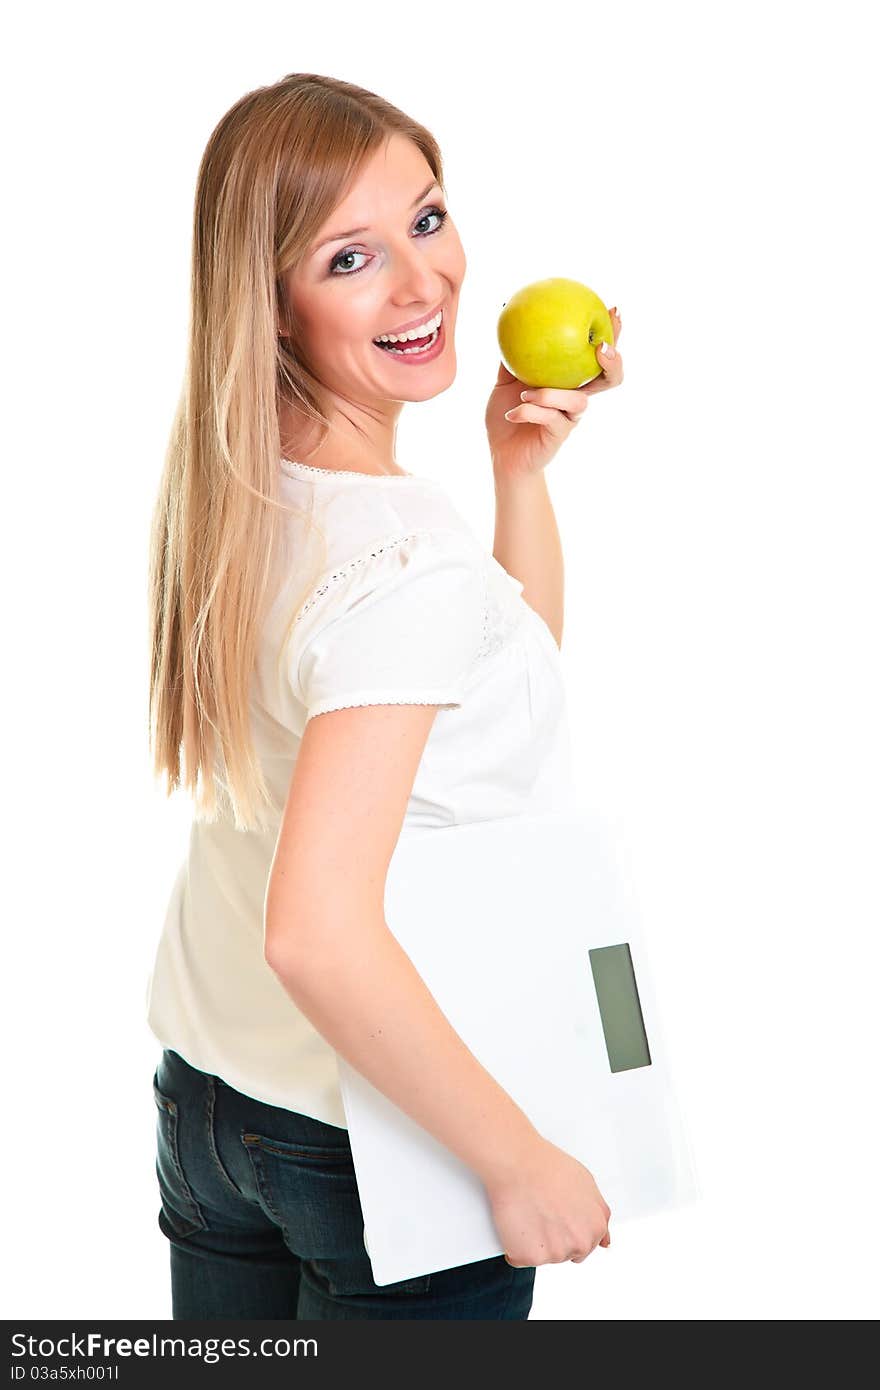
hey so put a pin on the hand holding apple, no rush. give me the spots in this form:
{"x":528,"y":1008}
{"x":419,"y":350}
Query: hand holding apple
{"x":525,"y":428}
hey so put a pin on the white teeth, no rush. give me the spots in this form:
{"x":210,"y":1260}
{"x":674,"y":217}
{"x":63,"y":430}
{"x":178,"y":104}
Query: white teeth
{"x":424,"y":331}
{"x":406,"y":352}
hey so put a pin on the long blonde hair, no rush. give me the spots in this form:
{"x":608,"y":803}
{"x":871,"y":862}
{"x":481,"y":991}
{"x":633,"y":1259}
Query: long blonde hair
{"x":273,"y":170}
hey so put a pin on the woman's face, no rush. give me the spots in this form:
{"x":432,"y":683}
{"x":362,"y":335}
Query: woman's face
{"x":405,"y":264}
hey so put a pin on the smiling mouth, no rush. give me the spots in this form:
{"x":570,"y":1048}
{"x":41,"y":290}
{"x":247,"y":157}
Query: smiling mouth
{"x":428,"y":349}
{"x":412,"y":349}
{"x":403,"y":344}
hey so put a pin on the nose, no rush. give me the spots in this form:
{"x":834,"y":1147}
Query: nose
{"x":416,"y":280}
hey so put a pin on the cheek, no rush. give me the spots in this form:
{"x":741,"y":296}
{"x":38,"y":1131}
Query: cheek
{"x":333,"y":338}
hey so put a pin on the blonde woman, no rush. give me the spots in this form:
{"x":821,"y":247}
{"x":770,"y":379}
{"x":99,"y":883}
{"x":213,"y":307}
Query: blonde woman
{"x":334,"y":654}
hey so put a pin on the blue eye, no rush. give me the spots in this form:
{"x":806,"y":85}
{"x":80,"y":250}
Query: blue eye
{"x":340,"y":256}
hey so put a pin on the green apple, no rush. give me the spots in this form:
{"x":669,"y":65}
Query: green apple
{"x":549,"y":332}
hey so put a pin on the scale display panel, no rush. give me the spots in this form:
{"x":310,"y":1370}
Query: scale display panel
{"x":619,"y":1009}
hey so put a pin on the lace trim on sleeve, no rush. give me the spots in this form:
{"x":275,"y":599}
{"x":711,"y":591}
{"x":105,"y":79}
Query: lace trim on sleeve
{"x":347,"y":568}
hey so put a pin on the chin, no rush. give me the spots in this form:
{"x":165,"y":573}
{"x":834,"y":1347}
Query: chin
{"x":434,"y":388}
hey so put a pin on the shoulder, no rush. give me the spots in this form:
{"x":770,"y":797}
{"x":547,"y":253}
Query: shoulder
{"x":400,"y":618}
{"x":350,"y":514}
{"x":430,"y":558}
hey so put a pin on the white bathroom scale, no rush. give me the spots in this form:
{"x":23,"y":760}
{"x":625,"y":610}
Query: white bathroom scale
{"x":525,"y":931}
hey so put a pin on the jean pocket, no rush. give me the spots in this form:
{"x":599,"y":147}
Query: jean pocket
{"x":310,"y":1191}
{"x":179,"y":1207}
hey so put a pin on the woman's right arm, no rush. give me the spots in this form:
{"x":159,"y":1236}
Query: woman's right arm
{"x":327,"y":940}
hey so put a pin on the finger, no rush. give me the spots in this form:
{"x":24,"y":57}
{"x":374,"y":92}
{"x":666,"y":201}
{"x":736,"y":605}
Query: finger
{"x":573,"y":403}
{"x":609,"y":360}
{"x":611,"y":374}
{"x":558,"y":422}
{"x":615,"y":323}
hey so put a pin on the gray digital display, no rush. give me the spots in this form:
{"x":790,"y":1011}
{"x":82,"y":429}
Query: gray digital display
{"x":619,"y":1007}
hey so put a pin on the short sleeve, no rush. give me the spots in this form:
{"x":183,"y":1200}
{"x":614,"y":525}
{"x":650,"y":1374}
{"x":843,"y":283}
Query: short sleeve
{"x":400,"y":623}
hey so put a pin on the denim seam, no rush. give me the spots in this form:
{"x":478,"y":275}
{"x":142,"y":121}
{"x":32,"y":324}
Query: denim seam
{"x":212,"y":1144}
{"x":315,"y":1151}
{"x":253,"y":1153}
{"x":173,"y":1149}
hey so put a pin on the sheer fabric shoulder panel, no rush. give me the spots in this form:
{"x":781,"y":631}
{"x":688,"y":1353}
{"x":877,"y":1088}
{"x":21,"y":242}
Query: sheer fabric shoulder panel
{"x":328,"y":581}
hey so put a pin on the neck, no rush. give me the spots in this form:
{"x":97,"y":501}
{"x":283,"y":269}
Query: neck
{"x":363,"y":441}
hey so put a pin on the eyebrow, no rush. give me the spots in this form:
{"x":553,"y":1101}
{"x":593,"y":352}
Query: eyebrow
{"x":355,"y":231}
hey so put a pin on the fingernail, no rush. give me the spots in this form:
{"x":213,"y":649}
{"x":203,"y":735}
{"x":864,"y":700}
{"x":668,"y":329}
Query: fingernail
{"x":607,"y":350}
{"x":508,"y":413}
{"x":525,"y":395}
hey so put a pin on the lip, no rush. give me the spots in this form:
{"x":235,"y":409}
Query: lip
{"x":413,"y":323}
{"x":418,"y":359}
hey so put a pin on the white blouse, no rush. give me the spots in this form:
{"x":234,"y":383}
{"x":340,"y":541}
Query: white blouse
{"x":394,"y":601}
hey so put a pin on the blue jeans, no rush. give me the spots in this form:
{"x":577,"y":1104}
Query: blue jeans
{"x":261,"y":1208}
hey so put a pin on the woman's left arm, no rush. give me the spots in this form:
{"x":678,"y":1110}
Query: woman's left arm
{"x":524,"y":435}
{"x":527,"y":544}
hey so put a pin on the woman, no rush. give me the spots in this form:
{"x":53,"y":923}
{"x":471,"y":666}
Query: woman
{"x":336,"y":655}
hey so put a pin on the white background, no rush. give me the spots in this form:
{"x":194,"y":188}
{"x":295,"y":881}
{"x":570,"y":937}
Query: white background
{"x":710,"y":171}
